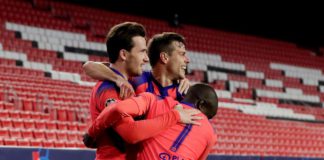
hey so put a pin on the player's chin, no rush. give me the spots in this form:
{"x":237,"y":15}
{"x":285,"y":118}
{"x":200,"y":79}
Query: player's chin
{"x":139,"y":72}
{"x":182,"y":76}
{"x":135,"y":72}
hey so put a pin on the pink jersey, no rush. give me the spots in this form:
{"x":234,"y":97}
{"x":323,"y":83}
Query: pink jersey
{"x":103,"y":94}
{"x":180,"y":141}
{"x":177,"y":142}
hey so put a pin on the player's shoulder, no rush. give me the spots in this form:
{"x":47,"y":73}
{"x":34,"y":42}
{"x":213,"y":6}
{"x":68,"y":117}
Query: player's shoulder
{"x":148,"y":95}
{"x":139,"y":80}
{"x":208,"y":126}
{"x":105,"y":83}
{"x":104,"y":86}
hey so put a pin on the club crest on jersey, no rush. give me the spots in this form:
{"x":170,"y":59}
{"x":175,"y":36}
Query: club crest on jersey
{"x":109,"y":101}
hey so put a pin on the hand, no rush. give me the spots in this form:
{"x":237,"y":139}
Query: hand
{"x":187,"y":116}
{"x":126,"y":89}
{"x":89,"y":141}
{"x":184,"y":86}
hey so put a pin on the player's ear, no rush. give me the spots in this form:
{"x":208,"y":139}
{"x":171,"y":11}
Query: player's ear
{"x":164,"y":57}
{"x":123,"y":54}
{"x":203,"y":106}
{"x":200,"y":105}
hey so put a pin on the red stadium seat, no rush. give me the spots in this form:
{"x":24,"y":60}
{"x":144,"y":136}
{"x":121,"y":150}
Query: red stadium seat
{"x":30,"y":124}
{"x":6,"y":123}
{"x":41,"y":124}
{"x":4,"y":133}
{"x":10,"y":142}
{"x":23,"y":142}
{"x":48,"y":144}
{"x":15,"y":133}
{"x":39,"y":134}
{"x":36,"y":143}
{"x":59,"y":144}
{"x":27,"y":134}
{"x":51,"y":135}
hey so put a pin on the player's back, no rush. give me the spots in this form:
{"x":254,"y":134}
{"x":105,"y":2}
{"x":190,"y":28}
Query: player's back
{"x":178,"y":142}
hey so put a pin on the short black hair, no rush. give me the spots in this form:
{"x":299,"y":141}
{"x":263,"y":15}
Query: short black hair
{"x":120,"y":37}
{"x":162,"y":43}
{"x":207,"y":94}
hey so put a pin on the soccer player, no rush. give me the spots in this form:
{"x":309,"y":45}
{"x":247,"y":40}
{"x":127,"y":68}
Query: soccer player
{"x":168,"y":59}
{"x":126,"y":45}
{"x":177,"y":142}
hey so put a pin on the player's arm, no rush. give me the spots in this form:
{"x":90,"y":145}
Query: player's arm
{"x":135,"y":131}
{"x":208,"y":148}
{"x":144,"y":129}
{"x":136,"y":106}
{"x":101,"y":71}
{"x":132,"y":107}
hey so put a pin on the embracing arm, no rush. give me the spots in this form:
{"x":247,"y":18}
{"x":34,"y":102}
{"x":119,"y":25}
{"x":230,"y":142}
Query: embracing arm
{"x":100,"y":71}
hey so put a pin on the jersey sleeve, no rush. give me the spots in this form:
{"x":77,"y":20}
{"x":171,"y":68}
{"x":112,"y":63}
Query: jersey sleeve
{"x":133,"y":107}
{"x":135,"y":131}
{"x":104,"y":95}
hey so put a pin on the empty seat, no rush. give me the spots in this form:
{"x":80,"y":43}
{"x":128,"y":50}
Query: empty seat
{"x":6,"y":122}
{"x":14,"y":114}
{"x":15,"y":133}
{"x":27,"y":134}
{"x":29,"y":124}
{"x":62,"y":135}
{"x":36,"y":143}
{"x":4,"y":133}
{"x":23,"y":142}
{"x":48,"y":143}
{"x":62,"y":125}
{"x":59,"y":144}
{"x":18,"y":123}
{"x":51,"y":125}
{"x":41,"y":124}
{"x":39,"y":134}
{"x":50,"y":135}
{"x":10,"y":142}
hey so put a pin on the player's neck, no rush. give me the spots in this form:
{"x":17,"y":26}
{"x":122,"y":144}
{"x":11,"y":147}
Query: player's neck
{"x":120,"y":68}
{"x":189,"y":100}
{"x":160,"y":74}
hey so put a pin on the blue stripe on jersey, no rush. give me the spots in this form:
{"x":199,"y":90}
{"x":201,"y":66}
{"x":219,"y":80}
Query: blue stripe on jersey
{"x":137,"y":81}
{"x":104,"y":86}
{"x":184,"y":133}
{"x":108,"y":84}
{"x":162,"y":90}
{"x":117,"y":72}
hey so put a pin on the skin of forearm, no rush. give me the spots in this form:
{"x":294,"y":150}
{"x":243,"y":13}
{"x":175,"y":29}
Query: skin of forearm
{"x":99,"y":71}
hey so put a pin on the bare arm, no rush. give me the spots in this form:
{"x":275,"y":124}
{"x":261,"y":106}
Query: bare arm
{"x":100,"y":71}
